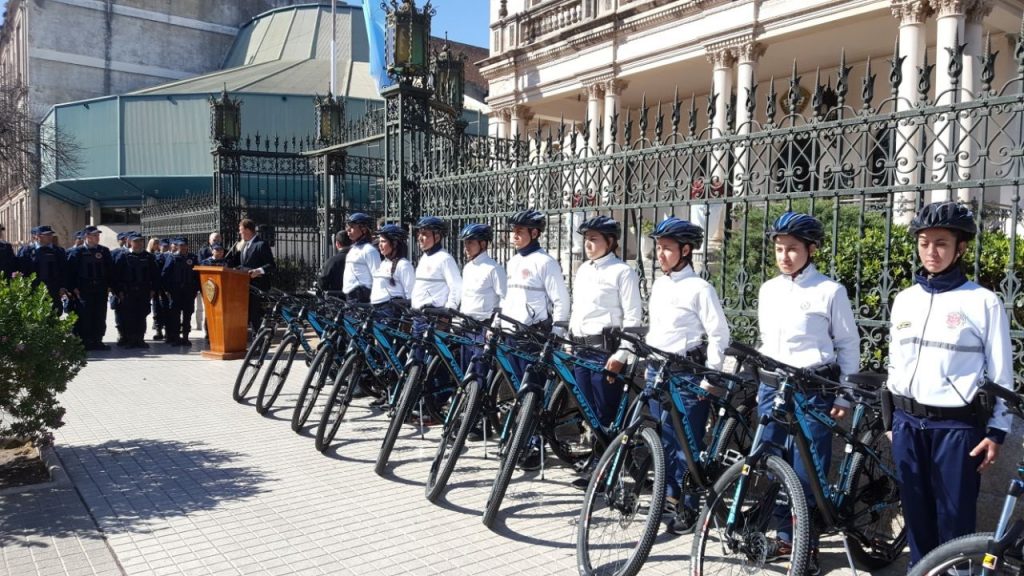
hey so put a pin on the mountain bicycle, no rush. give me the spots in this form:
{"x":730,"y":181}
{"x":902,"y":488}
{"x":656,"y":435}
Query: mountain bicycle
{"x":259,"y":348}
{"x":281,"y":362}
{"x":862,"y":505}
{"x":622,"y":507}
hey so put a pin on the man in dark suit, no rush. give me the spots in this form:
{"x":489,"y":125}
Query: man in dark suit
{"x":254,"y":255}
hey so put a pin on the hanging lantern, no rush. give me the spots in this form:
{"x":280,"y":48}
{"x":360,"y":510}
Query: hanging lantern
{"x":449,"y":77}
{"x":408,"y":38}
{"x":330,"y":112}
{"x":225,"y":120}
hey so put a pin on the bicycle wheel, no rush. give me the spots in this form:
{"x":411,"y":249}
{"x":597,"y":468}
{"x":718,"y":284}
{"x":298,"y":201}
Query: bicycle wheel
{"x":251,"y":364}
{"x":525,"y":416}
{"x":965,"y":556}
{"x":728,"y":446}
{"x":875,"y":525}
{"x":276,"y":374}
{"x":502,"y":398}
{"x":437,"y":388}
{"x":319,"y":370}
{"x":407,"y":401}
{"x":772,"y":492}
{"x":337,"y":403}
{"x":622,"y":507}
{"x":569,"y":434}
{"x":463,"y":415}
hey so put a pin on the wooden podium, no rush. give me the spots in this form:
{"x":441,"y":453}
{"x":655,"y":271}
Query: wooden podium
{"x":226,"y":301}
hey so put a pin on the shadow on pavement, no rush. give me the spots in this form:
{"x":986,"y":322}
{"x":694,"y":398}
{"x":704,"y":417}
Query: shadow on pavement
{"x":136,"y":484}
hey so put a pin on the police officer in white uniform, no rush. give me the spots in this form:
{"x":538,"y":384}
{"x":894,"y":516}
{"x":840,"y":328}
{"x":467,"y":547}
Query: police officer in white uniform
{"x":438,"y":281}
{"x":605,"y":294}
{"x":536,"y":294}
{"x":362,"y":259}
{"x":947,"y":335}
{"x":805,"y":320}
{"x":684,"y":310}
{"x":394,"y":277}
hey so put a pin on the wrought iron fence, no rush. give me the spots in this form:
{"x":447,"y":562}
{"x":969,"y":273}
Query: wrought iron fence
{"x":864,"y":170}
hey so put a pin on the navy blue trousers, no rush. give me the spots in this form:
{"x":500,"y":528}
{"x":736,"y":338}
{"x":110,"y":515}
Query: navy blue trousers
{"x":695,"y":413}
{"x":781,"y":444}
{"x":939,"y":480}
{"x":602,"y":395}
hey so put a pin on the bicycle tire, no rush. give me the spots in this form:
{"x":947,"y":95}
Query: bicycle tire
{"x":731,"y":435}
{"x":878,"y":543}
{"x":251,"y":365}
{"x":639,"y":458}
{"x":286,"y":350}
{"x":525,"y":420}
{"x":409,"y":397}
{"x":466,"y":403}
{"x":316,"y":378}
{"x":341,"y":396}
{"x":569,"y":430}
{"x":745,"y":552}
{"x":964,"y":555}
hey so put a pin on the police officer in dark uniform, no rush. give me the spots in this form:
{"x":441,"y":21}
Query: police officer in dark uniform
{"x":160,"y":297}
{"x":181,"y":283}
{"x":135,"y":280}
{"x":89,"y":272}
{"x":48,"y":262}
{"x":114,"y":300}
{"x":8,"y":263}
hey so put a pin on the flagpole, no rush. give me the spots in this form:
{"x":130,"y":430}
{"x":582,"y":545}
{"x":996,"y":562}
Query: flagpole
{"x":334,"y":34}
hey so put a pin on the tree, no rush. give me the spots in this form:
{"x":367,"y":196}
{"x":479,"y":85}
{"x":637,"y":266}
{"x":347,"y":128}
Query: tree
{"x":26,"y":142}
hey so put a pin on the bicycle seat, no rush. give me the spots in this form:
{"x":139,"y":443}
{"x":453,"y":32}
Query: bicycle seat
{"x":867,"y":380}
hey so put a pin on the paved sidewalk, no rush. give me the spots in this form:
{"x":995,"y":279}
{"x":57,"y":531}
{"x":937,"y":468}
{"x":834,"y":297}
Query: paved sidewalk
{"x":177,"y":478}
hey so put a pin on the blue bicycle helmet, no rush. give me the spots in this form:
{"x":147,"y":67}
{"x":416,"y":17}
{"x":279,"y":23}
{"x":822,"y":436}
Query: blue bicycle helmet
{"x":392,"y":232}
{"x":802,"y":226}
{"x":949,"y":215}
{"x":681,"y":231}
{"x":528,"y":219}
{"x":480,"y":232}
{"x":359,"y":218}
{"x":602,"y":225}
{"x":432,"y":223}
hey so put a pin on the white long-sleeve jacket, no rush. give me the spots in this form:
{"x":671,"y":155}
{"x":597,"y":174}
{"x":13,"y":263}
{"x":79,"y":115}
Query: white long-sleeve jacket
{"x":438,"y":282}
{"x":942,"y":344}
{"x":807,"y":321}
{"x":360,"y":262}
{"x":483,"y":286}
{"x":536,"y":289}
{"x":605,"y":294}
{"x":683,"y":308}
{"x":384,"y":289}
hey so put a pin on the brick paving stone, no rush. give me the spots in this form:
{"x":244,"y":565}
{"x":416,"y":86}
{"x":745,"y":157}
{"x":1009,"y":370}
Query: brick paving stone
{"x":182,"y":479}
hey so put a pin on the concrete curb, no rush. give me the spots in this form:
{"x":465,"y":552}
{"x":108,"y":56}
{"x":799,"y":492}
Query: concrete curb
{"x":58,"y":477}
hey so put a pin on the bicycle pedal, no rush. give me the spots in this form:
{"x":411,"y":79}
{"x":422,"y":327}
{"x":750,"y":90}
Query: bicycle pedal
{"x":731,"y":457}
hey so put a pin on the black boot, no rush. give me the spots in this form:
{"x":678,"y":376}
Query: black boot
{"x":159,"y":333}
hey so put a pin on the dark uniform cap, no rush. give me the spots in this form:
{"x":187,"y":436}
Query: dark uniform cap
{"x":180,"y":240}
{"x":165,"y":242}
{"x":122,"y":235}
{"x":134,"y":236}
{"x":216,"y":246}
{"x":43,"y":230}
{"x":80,"y":234}
{"x":90,"y":230}
{"x":34,"y":231}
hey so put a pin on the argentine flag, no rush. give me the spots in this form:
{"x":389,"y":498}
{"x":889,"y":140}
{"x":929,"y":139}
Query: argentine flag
{"x":374,"y":16}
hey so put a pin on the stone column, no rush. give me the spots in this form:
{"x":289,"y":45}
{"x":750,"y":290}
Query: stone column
{"x":949,"y":28}
{"x":746,"y":78}
{"x":595,"y":92}
{"x":612,"y":93}
{"x":971,"y":82}
{"x":711,"y":216}
{"x":912,"y":15}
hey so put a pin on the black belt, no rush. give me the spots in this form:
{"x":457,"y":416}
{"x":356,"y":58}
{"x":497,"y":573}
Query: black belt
{"x":595,"y":341}
{"x":914,"y":408}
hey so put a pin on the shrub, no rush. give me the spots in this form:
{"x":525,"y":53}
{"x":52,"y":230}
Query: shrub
{"x":38,"y":357}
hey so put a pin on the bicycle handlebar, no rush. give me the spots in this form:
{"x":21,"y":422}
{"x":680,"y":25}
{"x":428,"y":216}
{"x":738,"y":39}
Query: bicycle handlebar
{"x":804,"y":375}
